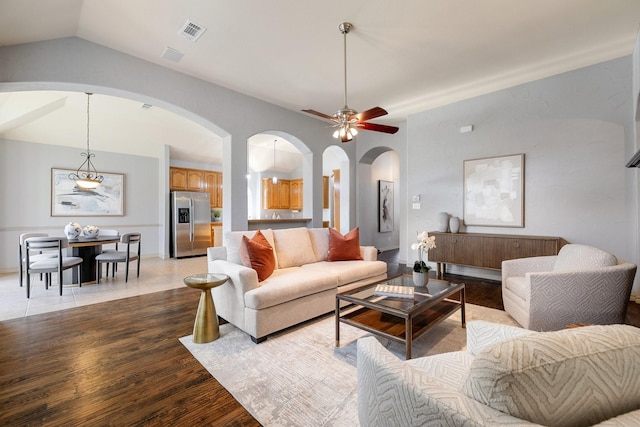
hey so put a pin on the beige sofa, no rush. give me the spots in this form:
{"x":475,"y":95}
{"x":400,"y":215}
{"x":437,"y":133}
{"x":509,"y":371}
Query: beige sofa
{"x":302,"y":286}
{"x":581,"y":284}
{"x":507,"y":376}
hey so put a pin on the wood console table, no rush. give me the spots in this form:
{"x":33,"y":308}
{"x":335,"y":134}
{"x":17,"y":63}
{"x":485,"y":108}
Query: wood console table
{"x":488,"y":250}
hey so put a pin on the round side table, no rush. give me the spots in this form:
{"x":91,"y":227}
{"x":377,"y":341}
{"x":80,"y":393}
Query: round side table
{"x":205,"y":328}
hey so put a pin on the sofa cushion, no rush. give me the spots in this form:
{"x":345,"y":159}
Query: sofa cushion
{"x":582,"y":257}
{"x":572,"y":377}
{"x":260,"y":255}
{"x":288,"y":284}
{"x":237,"y":251}
{"x":293,"y":247}
{"x":348,"y":271}
{"x":320,"y":241}
{"x":344,"y":248}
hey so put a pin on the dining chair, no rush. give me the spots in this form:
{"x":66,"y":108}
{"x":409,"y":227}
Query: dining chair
{"x":107,"y":232}
{"x":34,"y":257}
{"x":35,"y":245}
{"x":132,"y":253}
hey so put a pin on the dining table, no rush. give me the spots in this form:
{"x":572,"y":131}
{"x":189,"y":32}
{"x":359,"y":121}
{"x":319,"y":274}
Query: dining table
{"x":87,"y":248}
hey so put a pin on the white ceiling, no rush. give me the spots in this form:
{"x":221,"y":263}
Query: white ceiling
{"x":404,"y":56}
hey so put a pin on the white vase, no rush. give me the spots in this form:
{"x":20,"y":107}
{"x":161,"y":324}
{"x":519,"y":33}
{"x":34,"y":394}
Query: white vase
{"x":454,"y":224}
{"x":90,"y":231}
{"x":72,"y":230}
{"x":443,"y":222}
{"x":420,"y":279}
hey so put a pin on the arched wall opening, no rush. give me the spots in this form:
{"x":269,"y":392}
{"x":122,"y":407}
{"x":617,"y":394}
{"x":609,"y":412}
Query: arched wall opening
{"x":294,"y":161}
{"x":378,"y":179}
{"x":335,"y":166}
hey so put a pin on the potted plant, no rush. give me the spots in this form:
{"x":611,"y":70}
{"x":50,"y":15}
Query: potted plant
{"x":420,"y":268}
{"x":216,"y":214}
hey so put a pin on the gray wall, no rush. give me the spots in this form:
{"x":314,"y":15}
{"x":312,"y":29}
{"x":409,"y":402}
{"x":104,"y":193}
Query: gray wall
{"x":26,"y":195}
{"x":574,"y":129}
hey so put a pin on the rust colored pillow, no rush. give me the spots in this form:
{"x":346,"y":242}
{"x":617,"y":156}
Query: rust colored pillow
{"x":260,"y":255}
{"x":343,"y":248}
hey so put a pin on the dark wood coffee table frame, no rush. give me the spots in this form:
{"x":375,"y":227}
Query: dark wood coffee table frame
{"x":401,"y":320}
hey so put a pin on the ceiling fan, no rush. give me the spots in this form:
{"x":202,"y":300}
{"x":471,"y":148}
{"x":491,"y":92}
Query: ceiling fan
{"x":348,"y":120}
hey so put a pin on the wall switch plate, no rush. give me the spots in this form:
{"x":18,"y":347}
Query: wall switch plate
{"x":416,"y":206}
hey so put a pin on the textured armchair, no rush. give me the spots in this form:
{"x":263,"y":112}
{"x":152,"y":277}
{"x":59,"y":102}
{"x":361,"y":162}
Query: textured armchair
{"x":581,"y":284}
{"x":507,"y":376}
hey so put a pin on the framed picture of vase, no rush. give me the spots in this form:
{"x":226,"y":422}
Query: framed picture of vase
{"x":69,"y":200}
{"x":494,"y":191}
{"x":385,"y":206}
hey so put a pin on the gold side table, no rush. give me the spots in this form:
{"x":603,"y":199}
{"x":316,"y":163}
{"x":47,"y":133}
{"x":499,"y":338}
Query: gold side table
{"x":205,"y":328}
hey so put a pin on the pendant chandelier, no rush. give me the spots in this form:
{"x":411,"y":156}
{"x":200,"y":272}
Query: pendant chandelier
{"x":87,"y":176}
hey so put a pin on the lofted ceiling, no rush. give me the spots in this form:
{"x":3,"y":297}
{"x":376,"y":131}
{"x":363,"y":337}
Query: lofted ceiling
{"x":404,"y":56}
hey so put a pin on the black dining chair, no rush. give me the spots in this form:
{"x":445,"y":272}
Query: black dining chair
{"x":130,"y":241}
{"x":34,"y":264}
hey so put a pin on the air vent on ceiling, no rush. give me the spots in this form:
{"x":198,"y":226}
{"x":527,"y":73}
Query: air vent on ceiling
{"x":192,"y":31}
{"x":146,"y":106}
{"x":172,"y":54}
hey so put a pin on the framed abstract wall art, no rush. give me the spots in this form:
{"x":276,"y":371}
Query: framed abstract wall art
{"x":69,"y":200}
{"x":494,"y":191}
{"x":385,"y":206}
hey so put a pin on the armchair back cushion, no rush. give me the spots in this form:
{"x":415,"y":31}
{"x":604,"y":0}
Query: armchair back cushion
{"x":582,"y":257}
{"x":572,"y":377}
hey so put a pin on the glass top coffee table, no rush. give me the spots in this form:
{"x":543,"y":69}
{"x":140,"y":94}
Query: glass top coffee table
{"x":399,"y":319}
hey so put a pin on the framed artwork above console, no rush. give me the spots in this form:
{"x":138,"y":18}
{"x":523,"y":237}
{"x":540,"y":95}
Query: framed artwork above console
{"x":494,"y":191}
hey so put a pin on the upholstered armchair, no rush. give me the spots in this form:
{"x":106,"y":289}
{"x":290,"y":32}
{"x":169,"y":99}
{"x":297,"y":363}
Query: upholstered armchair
{"x":506,"y":376}
{"x":581,"y":284}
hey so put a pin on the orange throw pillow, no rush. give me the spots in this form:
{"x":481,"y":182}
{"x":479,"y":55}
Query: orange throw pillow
{"x":260,"y":255}
{"x":343,"y":248}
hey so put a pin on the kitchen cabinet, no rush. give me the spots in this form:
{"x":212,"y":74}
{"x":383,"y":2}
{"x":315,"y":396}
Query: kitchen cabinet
{"x":275,"y":196}
{"x":185,"y":179}
{"x":178,"y":179}
{"x":325,"y":192}
{"x":488,"y":250}
{"x":213,"y":181}
{"x":296,"y":194}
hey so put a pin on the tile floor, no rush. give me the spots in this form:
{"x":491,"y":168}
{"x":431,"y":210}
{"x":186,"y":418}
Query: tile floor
{"x":155,"y":275}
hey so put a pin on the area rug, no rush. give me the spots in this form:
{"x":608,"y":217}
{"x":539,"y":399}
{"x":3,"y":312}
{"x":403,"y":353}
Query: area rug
{"x":298,"y":377}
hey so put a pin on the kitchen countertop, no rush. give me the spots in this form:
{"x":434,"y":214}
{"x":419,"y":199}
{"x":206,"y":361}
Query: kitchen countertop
{"x":271,"y":220}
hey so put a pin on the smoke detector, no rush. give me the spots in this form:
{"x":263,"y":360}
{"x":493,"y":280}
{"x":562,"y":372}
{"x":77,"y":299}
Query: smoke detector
{"x":191,"y":31}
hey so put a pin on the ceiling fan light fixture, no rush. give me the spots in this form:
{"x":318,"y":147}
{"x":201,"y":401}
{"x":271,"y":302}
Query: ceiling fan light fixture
{"x":347,"y":119}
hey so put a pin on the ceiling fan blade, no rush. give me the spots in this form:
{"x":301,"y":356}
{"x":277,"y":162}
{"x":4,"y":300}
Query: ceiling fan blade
{"x":371,"y":114}
{"x":319,"y":114}
{"x":378,"y":128}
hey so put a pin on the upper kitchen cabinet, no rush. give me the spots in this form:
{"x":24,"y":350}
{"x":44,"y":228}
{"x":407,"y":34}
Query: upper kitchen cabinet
{"x":185,"y":179}
{"x":214,"y":187}
{"x":276,"y":196}
{"x":295,"y":194}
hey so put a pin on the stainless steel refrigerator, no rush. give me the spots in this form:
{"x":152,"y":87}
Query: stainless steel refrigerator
{"x":190,"y":224}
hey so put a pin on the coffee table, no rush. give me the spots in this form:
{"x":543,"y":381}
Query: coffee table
{"x":399,"y":319}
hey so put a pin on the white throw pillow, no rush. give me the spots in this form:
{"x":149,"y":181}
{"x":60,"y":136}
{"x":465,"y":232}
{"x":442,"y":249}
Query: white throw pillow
{"x":293,"y":247}
{"x":320,"y":241}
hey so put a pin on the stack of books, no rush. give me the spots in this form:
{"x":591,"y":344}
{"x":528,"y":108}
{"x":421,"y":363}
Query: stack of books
{"x":394,"y":291}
